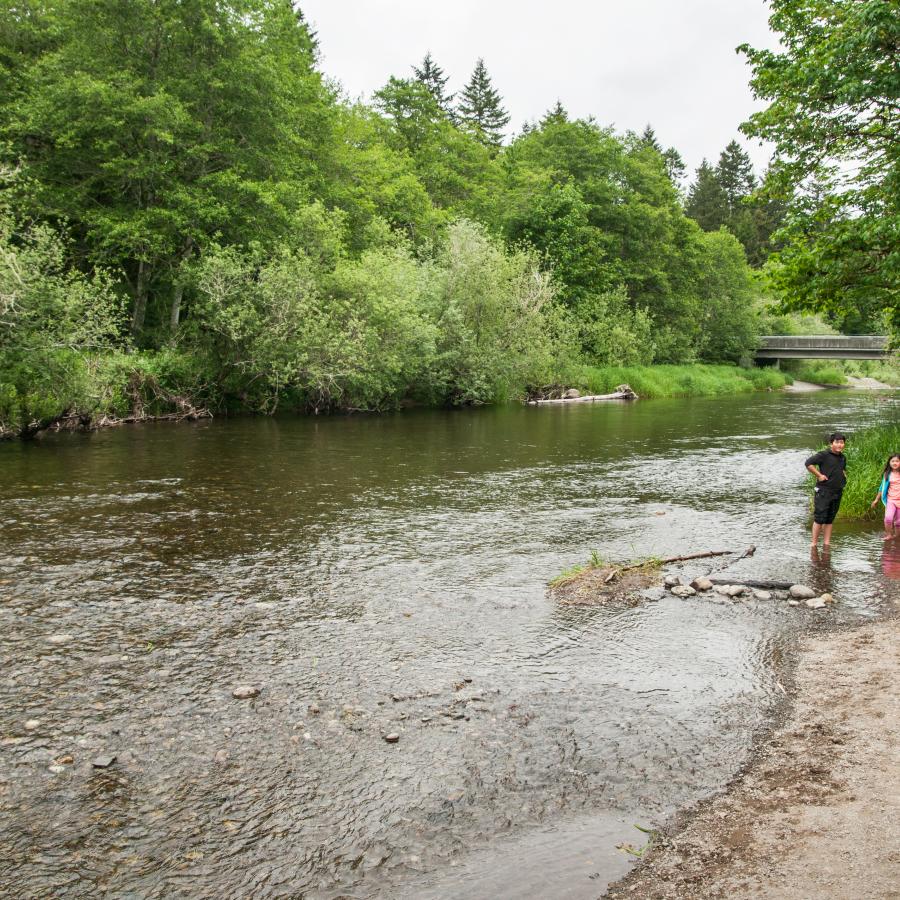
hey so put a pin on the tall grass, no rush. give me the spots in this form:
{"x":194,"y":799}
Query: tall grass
{"x":819,"y":373}
{"x":867,"y":452}
{"x":694,"y":380}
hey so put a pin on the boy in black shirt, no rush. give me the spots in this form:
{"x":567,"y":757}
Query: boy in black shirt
{"x":829,"y":467}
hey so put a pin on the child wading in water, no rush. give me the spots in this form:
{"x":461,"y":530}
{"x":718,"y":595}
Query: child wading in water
{"x":889,"y":495}
{"x":829,"y":467}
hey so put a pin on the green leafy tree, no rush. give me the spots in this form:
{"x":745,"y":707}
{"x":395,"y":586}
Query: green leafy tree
{"x":619,"y":223}
{"x":728,"y":318}
{"x":480,"y":108}
{"x":206,"y":118}
{"x":452,"y":165}
{"x":833,"y":91}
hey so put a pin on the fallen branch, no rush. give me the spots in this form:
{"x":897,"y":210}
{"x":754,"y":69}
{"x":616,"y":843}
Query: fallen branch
{"x":755,"y":583}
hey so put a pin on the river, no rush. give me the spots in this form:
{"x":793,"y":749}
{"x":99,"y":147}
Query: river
{"x":376,"y":575}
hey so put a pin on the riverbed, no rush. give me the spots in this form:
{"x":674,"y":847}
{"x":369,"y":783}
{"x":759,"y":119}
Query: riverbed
{"x":378,"y":576}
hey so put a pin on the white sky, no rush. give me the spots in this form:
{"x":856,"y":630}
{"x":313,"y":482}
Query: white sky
{"x":671,"y":63}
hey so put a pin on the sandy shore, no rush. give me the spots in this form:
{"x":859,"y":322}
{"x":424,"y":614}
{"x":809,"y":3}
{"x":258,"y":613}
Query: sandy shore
{"x":817,"y":813}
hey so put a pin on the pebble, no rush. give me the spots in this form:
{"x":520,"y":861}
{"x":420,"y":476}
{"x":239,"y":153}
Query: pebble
{"x":65,"y":760}
{"x":221,"y":757}
{"x":245,"y":692}
{"x":59,"y":638}
{"x":815,"y":603}
{"x":31,"y":724}
{"x":802,"y":592}
{"x":56,"y":769}
{"x":103,"y":762}
{"x":793,"y":602}
{"x":762,"y":595}
{"x":671,"y":581}
{"x":827,"y":598}
{"x":701,"y":584}
{"x":683,"y":590}
{"x":392,"y":737}
{"x":313,"y":709}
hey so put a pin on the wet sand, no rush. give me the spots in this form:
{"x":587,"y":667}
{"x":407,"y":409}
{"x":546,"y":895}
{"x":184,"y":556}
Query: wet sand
{"x":817,"y":813}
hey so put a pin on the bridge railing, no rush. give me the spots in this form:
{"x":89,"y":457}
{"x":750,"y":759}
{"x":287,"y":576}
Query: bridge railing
{"x":824,"y":341}
{"x":823,"y":346}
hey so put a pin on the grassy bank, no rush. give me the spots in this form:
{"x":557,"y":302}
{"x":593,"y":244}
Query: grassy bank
{"x":867,"y":451}
{"x":78,"y":390}
{"x":694,"y":380}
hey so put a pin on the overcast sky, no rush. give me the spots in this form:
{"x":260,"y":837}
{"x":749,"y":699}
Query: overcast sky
{"x":671,"y":63}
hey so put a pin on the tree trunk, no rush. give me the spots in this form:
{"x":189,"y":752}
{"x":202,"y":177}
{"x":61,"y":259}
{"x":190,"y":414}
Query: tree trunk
{"x":140,"y":299}
{"x":175,"y":314}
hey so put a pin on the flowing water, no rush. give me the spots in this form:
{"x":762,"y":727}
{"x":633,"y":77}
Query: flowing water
{"x":379,"y":575}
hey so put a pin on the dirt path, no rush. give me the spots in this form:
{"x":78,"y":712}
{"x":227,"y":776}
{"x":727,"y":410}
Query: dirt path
{"x":817,"y":814}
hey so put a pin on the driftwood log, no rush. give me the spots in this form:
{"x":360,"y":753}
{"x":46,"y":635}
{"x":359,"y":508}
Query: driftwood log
{"x":622,"y":392}
{"x":755,"y":583}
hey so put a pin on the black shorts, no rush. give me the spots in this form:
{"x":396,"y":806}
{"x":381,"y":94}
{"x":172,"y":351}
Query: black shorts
{"x":825,"y":507}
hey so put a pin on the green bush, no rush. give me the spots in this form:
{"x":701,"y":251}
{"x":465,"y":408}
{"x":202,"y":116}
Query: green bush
{"x":818,"y":373}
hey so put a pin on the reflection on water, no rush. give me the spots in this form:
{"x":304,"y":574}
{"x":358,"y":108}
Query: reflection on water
{"x":890,"y":559}
{"x":378,"y":575}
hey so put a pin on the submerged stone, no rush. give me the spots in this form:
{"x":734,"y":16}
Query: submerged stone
{"x":802,"y":592}
{"x":245,"y":692}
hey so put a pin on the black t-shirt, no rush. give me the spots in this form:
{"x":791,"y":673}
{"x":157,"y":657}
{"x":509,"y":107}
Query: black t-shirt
{"x":832,"y":466}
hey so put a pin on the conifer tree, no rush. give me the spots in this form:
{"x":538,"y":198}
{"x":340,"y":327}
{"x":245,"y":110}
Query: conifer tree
{"x":648,"y":139}
{"x":480,"y":109}
{"x":707,"y":202}
{"x":555,"y":116}
{"x":735,"y":175}
{"x":433,"y":77}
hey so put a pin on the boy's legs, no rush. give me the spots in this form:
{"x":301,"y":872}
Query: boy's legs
{"x":817,"y":530}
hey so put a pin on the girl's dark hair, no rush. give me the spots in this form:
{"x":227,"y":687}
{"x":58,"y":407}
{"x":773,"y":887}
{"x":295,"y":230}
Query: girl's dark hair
{"x":887,"y":465}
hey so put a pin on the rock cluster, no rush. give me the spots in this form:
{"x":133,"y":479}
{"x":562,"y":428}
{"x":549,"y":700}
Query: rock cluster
{"x":795,"y":595}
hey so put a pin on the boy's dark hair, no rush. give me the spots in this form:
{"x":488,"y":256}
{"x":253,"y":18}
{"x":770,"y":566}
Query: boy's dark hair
{"x":836,"y":436}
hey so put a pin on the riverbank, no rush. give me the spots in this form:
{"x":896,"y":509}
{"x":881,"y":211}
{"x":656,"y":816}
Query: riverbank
{"x":817,"y":813}
{"x":169,"y":386}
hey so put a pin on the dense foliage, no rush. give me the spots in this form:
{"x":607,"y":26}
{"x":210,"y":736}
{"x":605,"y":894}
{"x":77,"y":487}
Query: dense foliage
{"x":834,"y":114}
{"x":192,"y":213}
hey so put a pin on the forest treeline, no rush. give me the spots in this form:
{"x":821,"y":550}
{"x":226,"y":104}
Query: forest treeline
{"x":191,"y":212}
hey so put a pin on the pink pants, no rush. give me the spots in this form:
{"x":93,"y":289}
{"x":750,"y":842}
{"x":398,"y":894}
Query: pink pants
{"x":891,"y":515}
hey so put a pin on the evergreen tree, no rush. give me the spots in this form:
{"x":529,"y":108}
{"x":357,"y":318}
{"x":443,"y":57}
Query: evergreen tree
{"x":555,"y":116}
{"x":672,"y":158}
{"x":480,"y":109}
{"x":433,"y":77}
{"x":735,"y":175}
{"x":674,"y":166}
{"x":648,"y":139}
{"x":707,"y":202}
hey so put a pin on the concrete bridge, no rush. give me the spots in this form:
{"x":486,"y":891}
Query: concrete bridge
{"x":825,"y":346}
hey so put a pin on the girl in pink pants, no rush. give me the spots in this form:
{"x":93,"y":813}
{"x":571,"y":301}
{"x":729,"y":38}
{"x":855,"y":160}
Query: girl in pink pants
{"x":889,"y":495}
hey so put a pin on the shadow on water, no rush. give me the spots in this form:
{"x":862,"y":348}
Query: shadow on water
{"x":378,"y":575}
